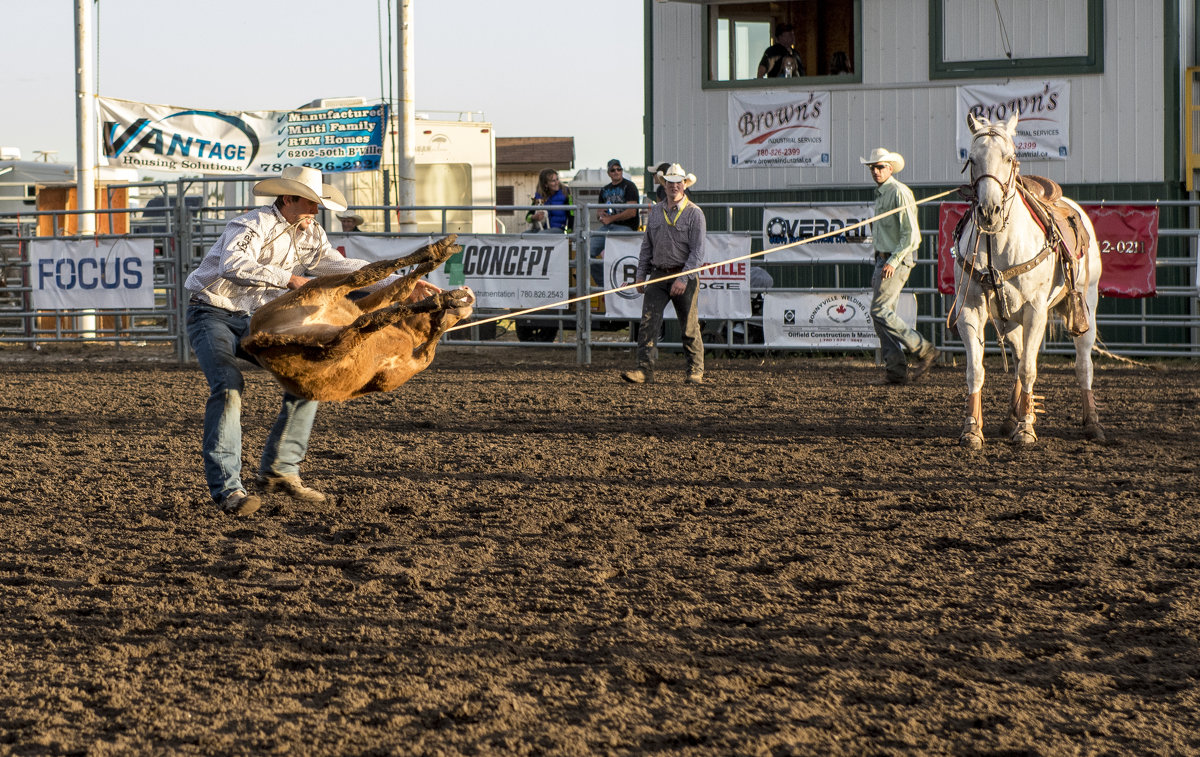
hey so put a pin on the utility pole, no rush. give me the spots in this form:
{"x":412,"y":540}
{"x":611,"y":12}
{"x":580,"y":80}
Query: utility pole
{"x":406,"y":167}
{"x":85,"y":119}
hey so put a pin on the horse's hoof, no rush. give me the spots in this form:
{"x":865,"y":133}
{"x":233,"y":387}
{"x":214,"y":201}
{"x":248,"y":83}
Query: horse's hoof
{"x":973,"y":442}
{"x":1023,"y":437}
{"x":1094,"y":432}
{"x":1008,"y":426}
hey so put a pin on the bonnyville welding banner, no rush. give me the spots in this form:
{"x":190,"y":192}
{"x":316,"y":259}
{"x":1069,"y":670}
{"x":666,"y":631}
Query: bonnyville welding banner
{"x":784,"y":226}
{"x":191,"y":140}
{"x":506,"y":272}
{"x":826,"y":320}
{"x":724,"y":290}
{"x":1043,"y":128}
{"x":116,"y":274}
{"x":778,"y":129}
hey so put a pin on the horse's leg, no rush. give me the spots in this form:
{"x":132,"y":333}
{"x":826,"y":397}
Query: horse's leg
{"x":1083,"y":354}
{"x":428,"y":258}
{"x":1027,"y":341}
{"x":972,"y":319}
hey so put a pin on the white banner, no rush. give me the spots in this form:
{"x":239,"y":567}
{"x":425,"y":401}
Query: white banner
{"x":724,"y":291}
{"x":89,"y":275}
{"x":505,"y":272}
{"x":1043,"y":130}
{"x":787,"y":225}
{"x":826,"y":320}
{"x":168,"y":138}
{"x":778,"y":129}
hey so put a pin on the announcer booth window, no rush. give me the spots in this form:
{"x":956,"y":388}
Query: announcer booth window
{"x":986,"y":39}
{"x":768,"y":45}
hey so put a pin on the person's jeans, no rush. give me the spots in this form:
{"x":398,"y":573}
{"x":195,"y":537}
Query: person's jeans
{"x":215,"y":334}
{"x":654,"y":302}
{"x":894,"y":334}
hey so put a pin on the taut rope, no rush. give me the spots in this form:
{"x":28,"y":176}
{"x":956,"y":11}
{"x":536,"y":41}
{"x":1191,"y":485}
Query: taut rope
{"x":705,"y":267}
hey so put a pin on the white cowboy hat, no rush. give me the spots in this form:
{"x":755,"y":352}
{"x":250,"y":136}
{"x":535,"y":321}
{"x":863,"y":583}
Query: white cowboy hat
{"x":351,"y":217}
{"x":674,"y":175}
{"x":884,"y":155}
{"x":302,"y":182}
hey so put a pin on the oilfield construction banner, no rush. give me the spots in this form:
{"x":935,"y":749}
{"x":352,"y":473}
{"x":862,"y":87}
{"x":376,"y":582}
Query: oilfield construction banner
{"x":724,"y":291}
{"x":782,"y":226}
{"x":1043,"y":129}
{"x":778,"y":129}
{"x":504,"y":272}
{"x":826,"y":320}
{"x":190,"y":140}
{"x":92,"y":274}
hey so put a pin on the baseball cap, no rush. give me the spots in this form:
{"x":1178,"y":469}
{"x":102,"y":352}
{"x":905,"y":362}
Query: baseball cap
{"x":614,"y":163}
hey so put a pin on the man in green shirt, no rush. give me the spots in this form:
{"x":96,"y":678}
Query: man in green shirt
{"x":897,"y":238}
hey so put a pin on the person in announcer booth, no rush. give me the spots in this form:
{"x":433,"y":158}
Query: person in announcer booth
{"x":258,"y":257}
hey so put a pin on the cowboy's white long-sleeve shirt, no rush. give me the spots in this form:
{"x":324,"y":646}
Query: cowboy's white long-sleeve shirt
{"x":257,"y":255}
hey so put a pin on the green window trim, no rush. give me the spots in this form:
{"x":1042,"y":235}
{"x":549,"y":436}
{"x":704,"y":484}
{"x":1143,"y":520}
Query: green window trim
{"x":1092,"y":63}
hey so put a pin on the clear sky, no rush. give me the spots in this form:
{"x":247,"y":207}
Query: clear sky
{"x":559,"y":68}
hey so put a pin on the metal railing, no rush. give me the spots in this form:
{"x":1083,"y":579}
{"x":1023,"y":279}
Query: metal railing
{"x":1167,"y":325}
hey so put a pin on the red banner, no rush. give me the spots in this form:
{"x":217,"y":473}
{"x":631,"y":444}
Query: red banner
{"x":1127,"y":236}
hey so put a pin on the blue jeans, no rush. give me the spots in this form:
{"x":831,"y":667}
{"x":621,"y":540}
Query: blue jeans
{"x":215,"y":335}
{"x":895,"y":337}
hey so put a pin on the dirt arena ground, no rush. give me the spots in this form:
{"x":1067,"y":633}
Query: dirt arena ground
{"x":529,"y":557}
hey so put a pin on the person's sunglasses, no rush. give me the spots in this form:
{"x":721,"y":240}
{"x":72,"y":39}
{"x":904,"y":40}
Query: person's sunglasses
{"x":614,"y":170}
{"x":879,"y":166}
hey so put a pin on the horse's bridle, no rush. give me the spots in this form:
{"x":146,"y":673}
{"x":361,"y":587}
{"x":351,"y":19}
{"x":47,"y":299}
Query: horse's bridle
{"x":1007,"y":187}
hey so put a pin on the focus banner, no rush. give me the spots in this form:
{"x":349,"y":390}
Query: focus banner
{"x":86,"y":275}
{"x":778,"y":129}
{"x":1126,"y":234}
{"x":826,"y":320}
{"x":724,"y":291}
{"x":505,"y":272}
{"x":787,"y":225}
{"x":169,"y":138}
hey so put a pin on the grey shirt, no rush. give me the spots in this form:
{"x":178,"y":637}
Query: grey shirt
{"x":674,"y":239}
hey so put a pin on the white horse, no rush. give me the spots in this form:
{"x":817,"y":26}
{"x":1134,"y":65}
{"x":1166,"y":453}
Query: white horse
{"x":1006,"y":272}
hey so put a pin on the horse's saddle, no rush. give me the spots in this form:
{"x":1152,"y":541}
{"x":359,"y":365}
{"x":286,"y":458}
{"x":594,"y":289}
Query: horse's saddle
{"x":1064,"y":230}
{"x":1059,"y":220}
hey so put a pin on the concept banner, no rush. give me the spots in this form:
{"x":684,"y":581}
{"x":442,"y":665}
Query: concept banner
{"x":505,"y":272}
{"x":190,"y":140}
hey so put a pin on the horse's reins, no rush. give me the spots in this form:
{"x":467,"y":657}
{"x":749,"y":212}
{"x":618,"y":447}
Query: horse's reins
{"x":993,"y":278}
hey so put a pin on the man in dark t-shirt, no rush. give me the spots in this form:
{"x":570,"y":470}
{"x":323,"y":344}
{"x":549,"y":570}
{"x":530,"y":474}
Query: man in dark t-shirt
{"x":781,"y":59}
{"x":619,"y":191}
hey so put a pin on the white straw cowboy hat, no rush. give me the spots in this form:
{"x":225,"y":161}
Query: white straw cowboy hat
{"x":349,"y":216}
{"x":883,"y":155}
{"x":302,"y":182}
{"x":674,"y":175}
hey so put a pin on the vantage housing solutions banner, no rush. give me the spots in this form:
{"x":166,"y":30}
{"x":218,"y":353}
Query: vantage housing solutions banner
{"x":190,"y":140}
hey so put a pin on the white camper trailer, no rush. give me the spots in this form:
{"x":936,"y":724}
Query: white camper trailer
{"x":455,"y":166}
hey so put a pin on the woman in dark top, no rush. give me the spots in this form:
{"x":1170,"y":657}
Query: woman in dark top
{"x":550,"y":192}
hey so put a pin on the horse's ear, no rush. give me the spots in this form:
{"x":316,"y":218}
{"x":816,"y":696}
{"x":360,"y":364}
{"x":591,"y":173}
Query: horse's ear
{"x":1011,"y":124}
{"x":974,"y":124}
